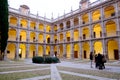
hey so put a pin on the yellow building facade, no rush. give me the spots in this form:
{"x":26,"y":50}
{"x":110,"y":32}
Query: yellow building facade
{"x":93,"y":27}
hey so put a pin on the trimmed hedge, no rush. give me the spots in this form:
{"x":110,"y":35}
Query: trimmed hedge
{"x":37,"y":59}
{"x":48,"y":59}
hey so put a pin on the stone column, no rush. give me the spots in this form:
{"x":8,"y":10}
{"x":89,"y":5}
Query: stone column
{"x":44,"y":49}
{"x":58,"y":37}
{"x":5,"y":54}
{"x":90,"y":17}
{"x":91,"y":47}
{"x":58,"y":51}
{"x":72,"y":51}
{"x":80,"y":20}
{"x":37,"y":25}
{"x":72,"y":35}
{"x":105,"y":51}
{"x":17,"y":52}
{"x":27,"y":50}
{"x":64,"y":37}
{"x":64,"y":51}
{"x":51,"y":51}
{"x":71,"y":23}
{"x":119,"y":47}
{"x":64,"y":25}
{"x":80,"y":44}
{"x":80,"y":33}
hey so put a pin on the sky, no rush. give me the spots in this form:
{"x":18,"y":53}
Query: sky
{"x":47,"y":7}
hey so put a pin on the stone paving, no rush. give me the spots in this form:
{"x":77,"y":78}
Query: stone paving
{"x":55,"y":73}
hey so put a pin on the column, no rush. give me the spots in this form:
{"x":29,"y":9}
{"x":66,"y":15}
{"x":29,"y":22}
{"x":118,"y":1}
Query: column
{"x":44,"y":49}
{"x":71,"y":23}
{"x":80,"y":20}
{"x":80,"y":33}
{"x":64,"y":25}
{"x":58,"y":37}
{"x":91,"y":47}
{"x":64,"y":50}
{"x":64,"y":37}
{"x":5,"y":54}
{"x":105,"y":52}
{"x":27,"y":50}
{"x":17,"y":51}
{"x":58,"y":51}
{"x":80,"y":44}
{"x":51,"y":51}
{"x":72,"y":51}
{"x":90,"y":17}
{"x":119,"y":47}
{"x":101,"y":13}
{"x":36,"y":50}
{"x":72,"y":35}
{"x":37,"y":25}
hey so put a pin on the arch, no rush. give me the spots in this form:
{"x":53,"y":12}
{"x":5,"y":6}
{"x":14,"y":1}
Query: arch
{"x":109,"y":11}
{"x":111,"y":28}
{"x":22,"y":51}
{"x":85,"y":33}
{"x":86,"y":50}
{"x":55,"y":28}
{"x":55,"y":38}
{"x":47,"y":50}
{"x":112,"y":48}
{"x":85,"y":18}
{"x":23,"y":35}
{"x":98,"y":47}
{"x":97,"y":31}
{"x":55,"y":50}
{"x":76,"y":35}
{"x":32,"y":51}
{"x":32,"y":37}
{"x":96,"y":15}
{"x":76,"y":21}
{"x":68,"y":35}
{"x":40,"y":50}
{"x":13,"y":21}
{"x":11,"y":50}
{"x":41,"y":27}
{"x":40,"y":38}
{"x":68,"y":51}
{"x":23,"y":23}
{"x":12,"y":34}
{"x":68,"y":24}
{"x":48,"y":38}
{"x":61,"y":26}
{"x":76,"y":50}
{"x":48,"y":29}
{"x":61,"y":51}
{"x":32,"y":25}
{"x":61,"y":37}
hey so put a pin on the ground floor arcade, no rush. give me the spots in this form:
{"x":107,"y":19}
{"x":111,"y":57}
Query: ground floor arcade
{"x":109,"y":47}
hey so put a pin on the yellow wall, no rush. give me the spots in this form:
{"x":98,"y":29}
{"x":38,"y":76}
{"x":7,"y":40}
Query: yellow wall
{"x":40,"y":50}
{"x":112,"y":45}
{"x":13,"y":21}
{"x":12,"y":49}
{"x":86,"y":32}
{"x":85,"y":18}
{"x":32,"y":48}
{"x":24,"y":23}
{"x":47,"y":49}
{"x":41,"y":27}
{"x":98,"y":47}
{"x":95,"y":15}
{"x":23,"y":47}
{"x":108,"y":10}
{"x":32,"y":25}
{"x":12,"y":34}
{"x":86,"y":48}
{"x":97,"y":30}
{"x":23,"y":34}
{"x":76,"y":35}
{"x":32,"y":34}
{"x":111,"y":28}
{"x":40,"y":38}
{"x":61,"y":51}
{"x":68,"y":51}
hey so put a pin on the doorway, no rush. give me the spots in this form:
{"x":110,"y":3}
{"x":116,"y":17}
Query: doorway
{"x":116,"y":55}
{"x":75,"y":54}
{"x":84,"y":54}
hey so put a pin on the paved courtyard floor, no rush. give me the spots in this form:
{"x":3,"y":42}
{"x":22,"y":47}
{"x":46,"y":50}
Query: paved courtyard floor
{"x":65,"y":70}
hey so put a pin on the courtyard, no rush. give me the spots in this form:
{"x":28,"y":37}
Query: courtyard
{"x":67,"y":69}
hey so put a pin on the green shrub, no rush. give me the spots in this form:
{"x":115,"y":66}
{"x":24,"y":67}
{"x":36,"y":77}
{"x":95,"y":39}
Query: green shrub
{"x":55,"y":60}
{"x":48,"y":60}
{"x":37,"y":59}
